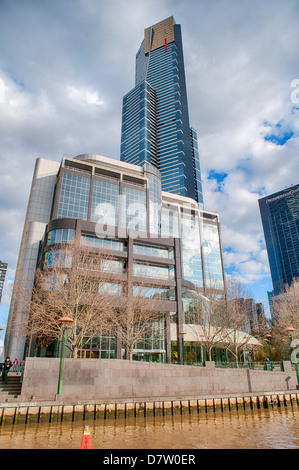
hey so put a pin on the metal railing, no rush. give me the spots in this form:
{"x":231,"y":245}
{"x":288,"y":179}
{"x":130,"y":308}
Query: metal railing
{"x":268,"y":366}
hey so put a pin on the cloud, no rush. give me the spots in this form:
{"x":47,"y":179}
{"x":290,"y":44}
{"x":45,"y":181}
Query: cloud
{"x":83,"y":95}
{"x":64,"y":71}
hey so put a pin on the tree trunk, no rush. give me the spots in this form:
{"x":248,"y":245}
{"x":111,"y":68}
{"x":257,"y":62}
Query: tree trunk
{"x":236,"y":356}
{"x":75,"y":352}
{"x":130,"y":354}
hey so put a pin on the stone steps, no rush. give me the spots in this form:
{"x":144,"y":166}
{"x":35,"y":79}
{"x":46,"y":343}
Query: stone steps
{"x":12,"y":389}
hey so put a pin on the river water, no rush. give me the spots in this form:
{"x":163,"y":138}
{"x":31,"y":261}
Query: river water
{"x":276,"y":428}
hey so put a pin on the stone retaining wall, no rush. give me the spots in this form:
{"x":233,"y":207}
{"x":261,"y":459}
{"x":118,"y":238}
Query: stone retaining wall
{"x":106,"y":380}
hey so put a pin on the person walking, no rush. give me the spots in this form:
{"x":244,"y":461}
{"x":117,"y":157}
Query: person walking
{"x":22,"y":366}
{"x":15,"y":365}
{"x":6,"y":366}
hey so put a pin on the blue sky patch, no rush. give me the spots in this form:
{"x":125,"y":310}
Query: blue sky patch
{"x":218,"y":176}
{"x":279,"y":136}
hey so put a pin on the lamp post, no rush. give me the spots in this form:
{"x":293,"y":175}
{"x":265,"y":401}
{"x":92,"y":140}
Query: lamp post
{"x":183,"y":344}
{"x":201,"y":340}
{"x":64,"y":321}
{"x":1,"y":329}
{"x":290,"y":330}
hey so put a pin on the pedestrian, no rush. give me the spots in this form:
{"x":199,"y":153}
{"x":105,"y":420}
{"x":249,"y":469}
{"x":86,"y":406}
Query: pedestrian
{"x":6,"y":366}
{"x":22,"y":366}
{"x":268,"y":365}
{"x":15,"y":365}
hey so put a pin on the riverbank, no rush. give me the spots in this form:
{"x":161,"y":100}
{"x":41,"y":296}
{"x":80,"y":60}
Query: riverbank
{"x":62,"y":409}
{"x":187,"y":434}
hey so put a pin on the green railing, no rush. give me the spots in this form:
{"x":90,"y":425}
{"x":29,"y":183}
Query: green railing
{"x":269,"y":366}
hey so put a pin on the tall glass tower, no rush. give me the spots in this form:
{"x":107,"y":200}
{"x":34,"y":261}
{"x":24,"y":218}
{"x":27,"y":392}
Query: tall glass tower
{"x":3,"y":269}
{"x":280,"y":218}
{"x":155,"y":118}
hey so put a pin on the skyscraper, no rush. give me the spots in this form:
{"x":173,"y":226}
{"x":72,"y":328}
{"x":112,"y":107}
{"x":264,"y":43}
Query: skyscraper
{"x":147,"y":209}
{"x":3,"y":269}
{"x":280,"y":218}
{"x":155,"y":117}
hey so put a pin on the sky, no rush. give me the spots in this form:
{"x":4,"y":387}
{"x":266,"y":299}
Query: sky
{"x":66,"y":65}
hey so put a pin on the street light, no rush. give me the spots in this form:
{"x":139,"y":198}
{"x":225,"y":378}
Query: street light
{"x":64,"y":321}
{"x":183,"y":344}
{"x":201,"y":341}
{"x":1,"y":329}
{"x":290,"y":330}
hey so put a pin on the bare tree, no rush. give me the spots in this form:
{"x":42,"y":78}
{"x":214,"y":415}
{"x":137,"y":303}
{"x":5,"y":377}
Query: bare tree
{"x":238,"y":335}
{"x":286,"y":314}
{"x":138,"y":316}
{"x":73,"y":282}
{"x":207,"y":318}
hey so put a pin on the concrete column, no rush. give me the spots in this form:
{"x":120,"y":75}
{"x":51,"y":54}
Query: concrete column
{"x":287,"y":366}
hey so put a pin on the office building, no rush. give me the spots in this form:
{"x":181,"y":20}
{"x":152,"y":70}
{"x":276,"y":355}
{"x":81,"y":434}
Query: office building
{"x":280,"y":219}
{"x":113,"y":204}
{"x":147,"y":208}
{"x":261,"y":317}
{"x":155,"y":116}
{"x":3,"y":269}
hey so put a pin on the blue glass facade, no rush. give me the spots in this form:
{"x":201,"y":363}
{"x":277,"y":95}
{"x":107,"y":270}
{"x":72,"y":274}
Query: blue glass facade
{"x":196,"y":164}
{"x":191,"y":250}
{"x":106,"y":195}
{"x":138,"y":125}
{"x":212,"y":256}
{"x":155,"y":123}
{"x":133,"y":210}
{"x":74,"y":197}
{"x":155,"y":198}
{"x":280,"y":218}
{"x":60,"y":236}
{"x":139,"y":206}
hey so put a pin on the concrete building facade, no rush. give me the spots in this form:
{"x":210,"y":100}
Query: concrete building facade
{"x":164,"y":237}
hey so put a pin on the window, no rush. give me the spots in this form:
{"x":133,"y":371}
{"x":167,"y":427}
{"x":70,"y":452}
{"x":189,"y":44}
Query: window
{"x":134,"y":209}
{"x":60,"y":236}
{"x":74,"y":197}
{"x":170,"y":223}
{"x":111,"y":288}
{"x":105,"y":202}
{"x":191,"y":256}
{"x":153,"y":251}
{"x":104,"y":243}
{"x":212,"y":258}
{"x":161,"y":293}
{"x":153,"y":338}
{"x":58,"y":258}
{"x":157,"y":272}
{"x":101,"y":347}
